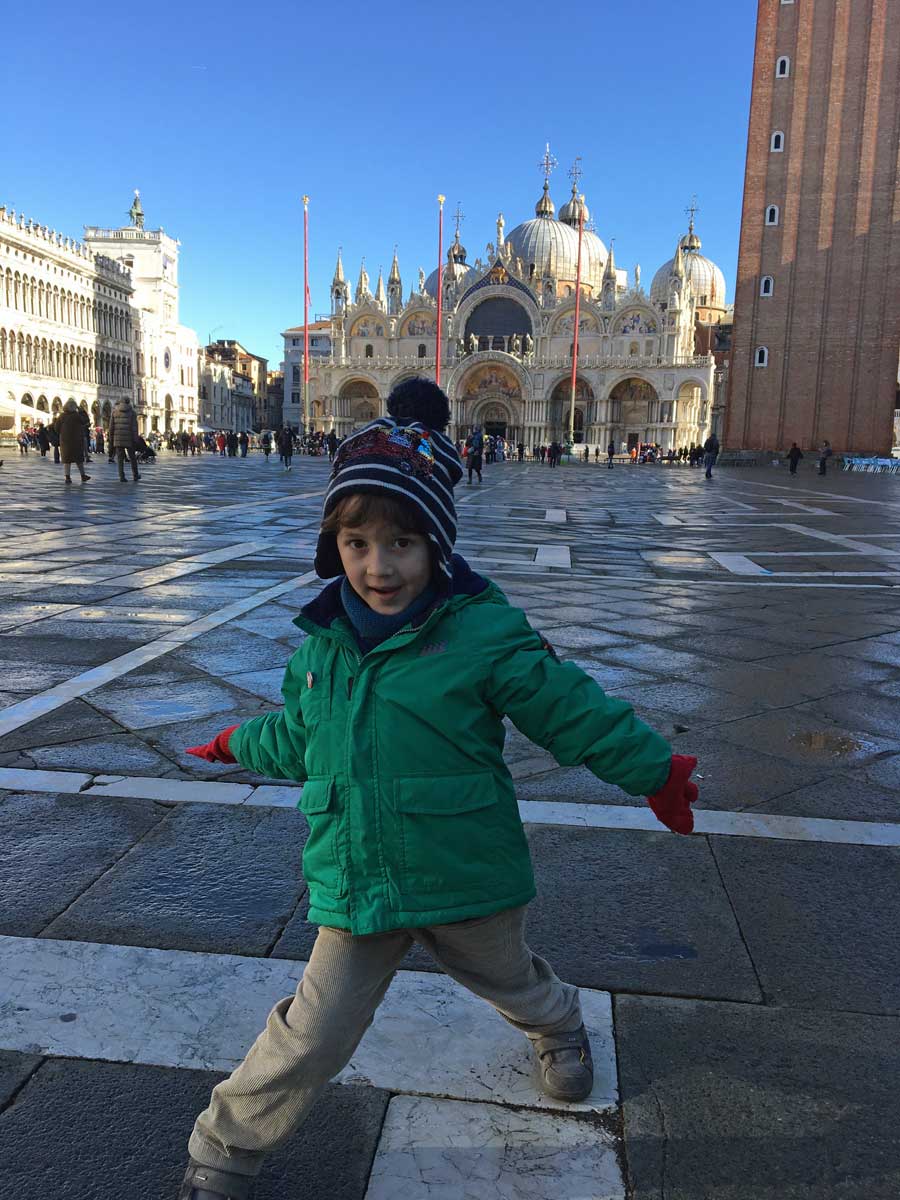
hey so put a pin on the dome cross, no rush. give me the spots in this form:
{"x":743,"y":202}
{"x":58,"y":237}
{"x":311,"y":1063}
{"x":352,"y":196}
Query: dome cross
{"x":548,"y":163}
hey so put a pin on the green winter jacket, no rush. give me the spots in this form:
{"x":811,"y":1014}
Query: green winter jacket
{"x":412,"y":813}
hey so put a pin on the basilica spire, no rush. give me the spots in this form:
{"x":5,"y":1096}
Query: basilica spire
{"x":395,"y":287}
{"x":340,"y":289}
{"x":362,"y":285}
{"x":380,"y":295}
{"x":610,"y":279}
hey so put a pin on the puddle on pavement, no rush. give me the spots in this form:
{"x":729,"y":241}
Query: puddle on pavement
{"x":823,"y":742}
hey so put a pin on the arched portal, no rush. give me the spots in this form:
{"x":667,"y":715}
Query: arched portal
{"x":496,"y":321}
{"x":168,"y":418}
{"x":490,"y":396}
{"x":362,"y":398}
{"x":42,"y":404}
{"x":633,"y":405}
{"x":560,"y":406}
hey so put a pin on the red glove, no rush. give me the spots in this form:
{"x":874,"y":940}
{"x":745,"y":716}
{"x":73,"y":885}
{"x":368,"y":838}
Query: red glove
{"x":216,"y":750}
{"x":672,"y":803}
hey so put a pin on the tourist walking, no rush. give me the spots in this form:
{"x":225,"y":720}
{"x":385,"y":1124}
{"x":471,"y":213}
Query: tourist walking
{"x":610,"y":454}
{"x":825,"y":452}
{"x":43,"y":440}
{"x":244,"y":442}
{"x":794,"y":456}
{"x":286,"y":447}
{"x":265,"y":444}
{"x":71,"y":440}
{"x":396,"y":857}
{"x":710,"y":454}
{"x":331,"y":442}
{"x":474,"y":453}
{"x":123,"y":434}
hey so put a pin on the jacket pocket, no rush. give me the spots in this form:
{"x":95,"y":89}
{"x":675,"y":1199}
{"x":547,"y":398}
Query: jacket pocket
{"x":454,"y":836}
{"x":322,"y":867}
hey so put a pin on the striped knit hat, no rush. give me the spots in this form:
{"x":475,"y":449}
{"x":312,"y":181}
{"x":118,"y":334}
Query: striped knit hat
{"x":405,"y":456}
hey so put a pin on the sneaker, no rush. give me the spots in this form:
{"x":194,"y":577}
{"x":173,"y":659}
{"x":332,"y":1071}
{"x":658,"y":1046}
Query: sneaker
{"x":85,"y":478}
{"x":564,"y":1065}
{"x":203,"y":1183}
{"x":68,"y":480}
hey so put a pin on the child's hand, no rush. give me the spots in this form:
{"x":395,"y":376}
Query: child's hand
{"x":672,"y":803}
{"x":217,"y":750}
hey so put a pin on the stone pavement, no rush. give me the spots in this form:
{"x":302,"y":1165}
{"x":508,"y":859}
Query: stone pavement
{"x":742,"y":986}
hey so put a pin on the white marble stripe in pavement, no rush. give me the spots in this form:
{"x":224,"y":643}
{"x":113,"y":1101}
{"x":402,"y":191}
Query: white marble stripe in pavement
{"x":553,"y":556}
{"x":435,"y":1149}
{"x":25,"y":711}
{"x":738,"y":564}
{"x":178,"y":1008}
{"x":537,"y":812}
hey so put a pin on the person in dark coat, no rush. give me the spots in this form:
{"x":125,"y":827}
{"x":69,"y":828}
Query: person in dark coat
{"x":825,"y":452}
{"x":710,"y":454}
{"x":71,"y":440}
{"x":610,"y":454}
{"x":794,"y":456}
{"x":85,"y":432}
{"x":43,"y":440}
{"x":123,"y":435}
{"x":286,"y":447}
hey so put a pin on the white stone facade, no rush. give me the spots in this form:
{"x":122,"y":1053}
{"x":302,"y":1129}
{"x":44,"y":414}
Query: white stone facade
{"x":506,"y":346}
{"x":166,"y":352}
{"x":66,"y":326}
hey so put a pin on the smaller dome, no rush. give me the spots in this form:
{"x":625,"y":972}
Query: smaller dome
{"x":690,"y":241}
{"x":545,"y":206}
{"x":454,"y":270}
{"x":570,"y":213}
{"x":457,"y":252}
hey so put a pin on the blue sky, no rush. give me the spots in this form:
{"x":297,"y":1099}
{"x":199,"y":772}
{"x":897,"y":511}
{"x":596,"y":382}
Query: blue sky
{"x":224,"y":115}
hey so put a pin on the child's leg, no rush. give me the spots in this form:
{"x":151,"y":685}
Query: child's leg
{"x":308,"y":1039}
{"x":490,"y":957}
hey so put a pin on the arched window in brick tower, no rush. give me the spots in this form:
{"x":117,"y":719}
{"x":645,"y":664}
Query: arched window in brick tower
{"x":776,"y":145}
{"x":782,"y":67}
{"x":761,"y":357}
{"x":766,"y":285}
{"x":772,"y":214}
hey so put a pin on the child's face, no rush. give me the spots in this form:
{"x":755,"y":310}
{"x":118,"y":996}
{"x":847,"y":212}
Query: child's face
{"x":386,"y":566}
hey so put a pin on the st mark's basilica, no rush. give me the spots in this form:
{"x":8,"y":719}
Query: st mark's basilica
{"x":644,"y":368}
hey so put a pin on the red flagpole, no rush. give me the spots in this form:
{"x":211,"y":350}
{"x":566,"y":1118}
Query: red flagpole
{"x":440,"y":289}
{"x":577,"y":318}
{"x":305,"y":316}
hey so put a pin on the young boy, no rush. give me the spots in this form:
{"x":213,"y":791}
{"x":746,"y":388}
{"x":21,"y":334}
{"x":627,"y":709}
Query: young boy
{"x":392,"y":719}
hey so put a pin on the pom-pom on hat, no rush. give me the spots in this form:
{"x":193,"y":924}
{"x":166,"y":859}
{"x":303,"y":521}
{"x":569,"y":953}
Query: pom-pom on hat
{"x":407,"y":456}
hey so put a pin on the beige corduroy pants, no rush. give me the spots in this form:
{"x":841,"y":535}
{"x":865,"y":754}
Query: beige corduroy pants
{"x":310,"y":1037}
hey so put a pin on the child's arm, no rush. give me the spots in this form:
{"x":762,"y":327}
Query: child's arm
{"x":273,"y":744}
{"x":560,"y":707}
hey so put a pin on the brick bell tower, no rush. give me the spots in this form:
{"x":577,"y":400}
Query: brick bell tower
{"x":817,"y":300}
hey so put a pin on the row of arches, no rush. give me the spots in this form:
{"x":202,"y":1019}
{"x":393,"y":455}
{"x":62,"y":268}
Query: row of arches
{"x":100,"y":412}
{"x":27,"y":294}
{"x":38,"y":356}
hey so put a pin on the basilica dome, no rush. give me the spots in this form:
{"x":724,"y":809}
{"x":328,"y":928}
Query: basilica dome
{"x":545,"y":241}
{"x":706,"y":278}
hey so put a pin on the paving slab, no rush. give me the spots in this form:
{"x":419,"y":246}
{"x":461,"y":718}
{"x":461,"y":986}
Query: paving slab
{"x":73,"y":721}
{"x":820,"y":921}
{"x":53,"y":847}
{"x":438,"y":1149}
{"x":78,"y":1130}
{"x":742,"y":1102}
{"x":206,"y":878}
{"x":167,"y":704}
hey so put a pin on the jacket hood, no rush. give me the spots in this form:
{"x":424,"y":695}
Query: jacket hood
{"x":327,"y":606}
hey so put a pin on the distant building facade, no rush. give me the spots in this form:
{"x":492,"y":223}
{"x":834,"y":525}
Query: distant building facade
{"x":817,"y":302}
{"x":255,"y":368}
{"x":320,"y":347}
{"x":66,"y":326}
{"x":507,"y":339}
{"x":227,"y":395}
{"x":166,"y":352}
{"x":274,"y":400}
